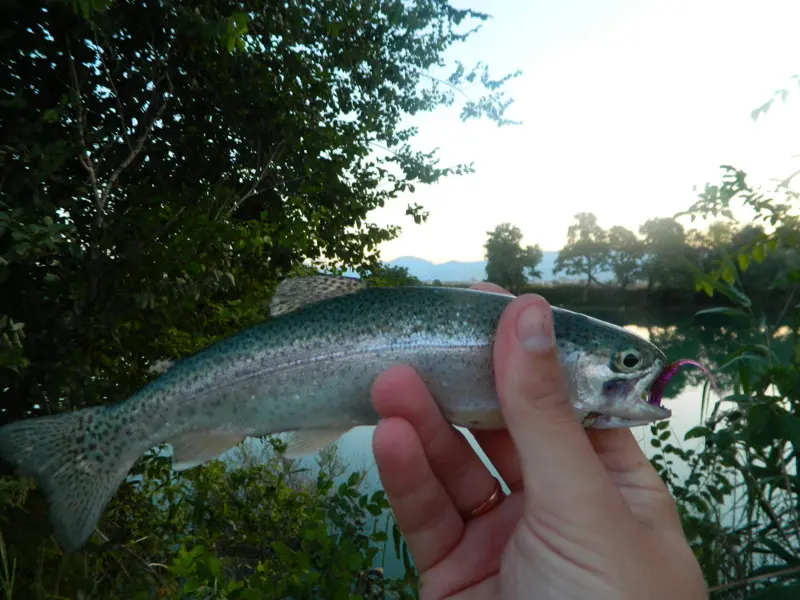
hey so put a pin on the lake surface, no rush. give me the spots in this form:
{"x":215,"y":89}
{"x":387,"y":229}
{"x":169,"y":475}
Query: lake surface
{"x":706,"y":338}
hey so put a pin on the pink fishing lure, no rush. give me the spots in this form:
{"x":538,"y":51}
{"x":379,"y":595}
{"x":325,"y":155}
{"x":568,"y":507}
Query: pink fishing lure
{"x":657,"y":389}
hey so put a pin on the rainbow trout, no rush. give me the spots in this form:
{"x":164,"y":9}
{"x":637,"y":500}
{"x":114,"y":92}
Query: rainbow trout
{"x":308,"y":370}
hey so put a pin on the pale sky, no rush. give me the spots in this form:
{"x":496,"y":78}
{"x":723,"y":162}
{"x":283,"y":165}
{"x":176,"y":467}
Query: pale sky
{"x":625,"y":107}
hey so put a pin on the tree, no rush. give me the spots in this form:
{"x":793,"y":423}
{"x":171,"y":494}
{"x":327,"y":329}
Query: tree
{"x":587,"y":251}
{"x":508,"y":264}
{"x":772,"y":266}
{"x":162,"y":166}
{"x":666,"y":251}
{"x":626,"y":255}
{"x":385,"y":275}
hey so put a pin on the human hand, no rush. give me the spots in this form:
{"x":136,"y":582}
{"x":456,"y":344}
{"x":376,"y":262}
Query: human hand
{"x":587,"y":516}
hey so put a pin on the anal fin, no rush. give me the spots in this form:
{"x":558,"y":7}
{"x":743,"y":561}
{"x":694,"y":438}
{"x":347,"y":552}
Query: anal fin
{"x":308,"y":441}
{"x":198,"y":447}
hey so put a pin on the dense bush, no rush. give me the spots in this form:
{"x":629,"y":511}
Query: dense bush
{"x":740,"y":502}
{"x":254,"y":525}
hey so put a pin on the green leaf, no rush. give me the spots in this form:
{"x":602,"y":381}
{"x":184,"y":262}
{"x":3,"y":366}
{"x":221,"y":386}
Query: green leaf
{"x":759,"y":253}
{"x":778,"y":550}
{"x":743,"y":260}
{"x":214,"y":566}
{"x":380,"y":536}
{"x":697,"y":432}
{"x":790,"y":426}
{"x":396,"y":539}
{"x":778,"y":592}
{"x":723,"y":288}
{"x":722,"y":310}
{"x":282,"y":550}
{"x":240,"y":20}
{"x":354,"y":561}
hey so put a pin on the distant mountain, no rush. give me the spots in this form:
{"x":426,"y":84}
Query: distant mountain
{"x":452,"y":271}
{"x":464,"y":272}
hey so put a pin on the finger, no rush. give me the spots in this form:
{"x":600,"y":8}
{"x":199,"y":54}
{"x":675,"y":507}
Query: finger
{"x":477,"y":556}
{"x":490,"y":287}
{"x":400,"y":392}
{"x":498,"y":445}
{"x":640,"y":485}
{"x":501,"y":452}
{"x":557,"y":460}
{"x":422,"y":507}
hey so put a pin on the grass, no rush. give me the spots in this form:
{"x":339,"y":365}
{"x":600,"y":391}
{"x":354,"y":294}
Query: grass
{"x":7,"y":575}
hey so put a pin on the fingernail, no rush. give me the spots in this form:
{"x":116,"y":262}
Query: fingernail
{"x":535,"y":329}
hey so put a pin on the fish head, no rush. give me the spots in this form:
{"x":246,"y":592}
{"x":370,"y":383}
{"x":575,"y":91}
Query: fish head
{"x":611,"y":380}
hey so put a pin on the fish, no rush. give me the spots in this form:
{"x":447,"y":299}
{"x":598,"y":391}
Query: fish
{"x":307,"y":371}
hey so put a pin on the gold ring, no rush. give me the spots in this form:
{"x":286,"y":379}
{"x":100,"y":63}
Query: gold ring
{"x":491,"y":502}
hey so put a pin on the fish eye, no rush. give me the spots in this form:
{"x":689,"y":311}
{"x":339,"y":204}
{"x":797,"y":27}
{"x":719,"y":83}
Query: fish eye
{"x":628,"y":359}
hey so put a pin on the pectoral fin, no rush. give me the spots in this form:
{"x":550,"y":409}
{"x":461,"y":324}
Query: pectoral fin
{"x":308,"y":441}
{"x":198,"y":447}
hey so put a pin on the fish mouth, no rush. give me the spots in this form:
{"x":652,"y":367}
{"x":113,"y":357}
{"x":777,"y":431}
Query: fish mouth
{"x":648,"y":393}
{"x":636,"y":405}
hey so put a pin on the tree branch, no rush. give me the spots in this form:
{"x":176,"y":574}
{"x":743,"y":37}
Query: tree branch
{"x":253,"y":190}
{"x":85,"y":156}
{"x":147,"y":565}
{"x":785,"y":183}
{"x":113,"y":89}
{"x":139,"y":145}
{"x":733,"y":584}
{"x":102,"y":192}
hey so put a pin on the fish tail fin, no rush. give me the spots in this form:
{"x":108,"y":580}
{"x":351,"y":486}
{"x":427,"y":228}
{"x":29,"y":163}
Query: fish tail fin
{"x":77,"y":459}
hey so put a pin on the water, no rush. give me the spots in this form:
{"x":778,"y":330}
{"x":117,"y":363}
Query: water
{"x":707,"y":339}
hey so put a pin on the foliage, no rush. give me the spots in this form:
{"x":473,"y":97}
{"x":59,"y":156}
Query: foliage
{"x":626,"y":255}
{"x":385,"y":275}
{"x":508,"y":264}
{"x":665,"y":243}
{"x":664,"y":253}
{"x":253,"y":526}
{"x":164,"y":164}
{"x":740,"y":503}
{"x":587,"y":250}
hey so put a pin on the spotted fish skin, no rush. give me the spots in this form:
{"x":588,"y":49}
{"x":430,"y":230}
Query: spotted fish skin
{"x":309,"y":370}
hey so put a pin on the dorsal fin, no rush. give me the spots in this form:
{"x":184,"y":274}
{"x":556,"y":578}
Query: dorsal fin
{"x":297,"y":292}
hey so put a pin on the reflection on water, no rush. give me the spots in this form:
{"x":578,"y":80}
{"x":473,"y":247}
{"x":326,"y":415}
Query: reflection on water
{"x":708,"y":339}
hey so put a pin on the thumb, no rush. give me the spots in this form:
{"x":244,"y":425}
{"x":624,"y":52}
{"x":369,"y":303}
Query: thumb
{"x":559,"y":465}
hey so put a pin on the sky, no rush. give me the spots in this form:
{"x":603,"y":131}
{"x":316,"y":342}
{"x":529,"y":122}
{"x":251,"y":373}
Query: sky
{"x":625,"y":108}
